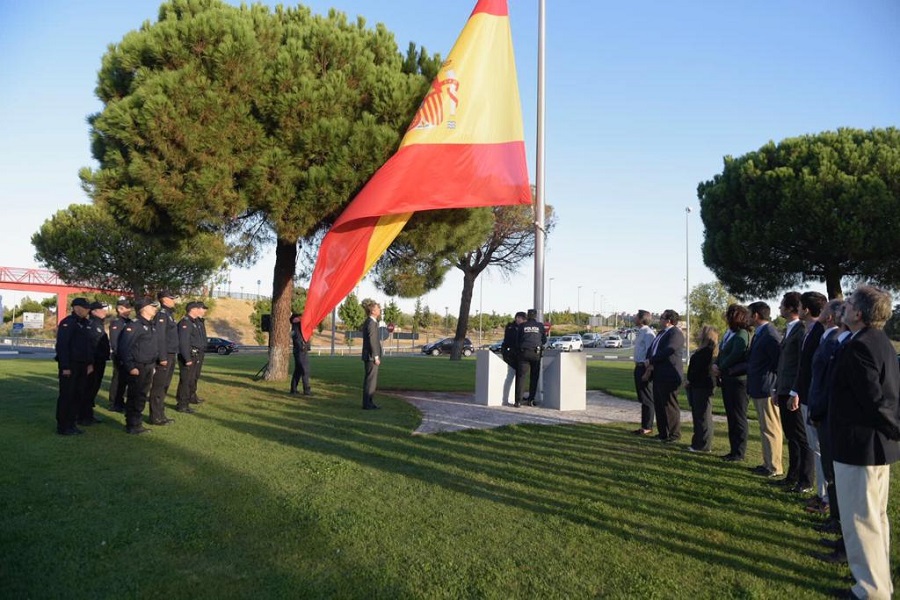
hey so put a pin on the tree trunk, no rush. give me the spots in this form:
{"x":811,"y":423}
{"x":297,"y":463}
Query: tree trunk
{"x":833,"y":284}
{"x":282,"y":294}
{"x":465,"y":305}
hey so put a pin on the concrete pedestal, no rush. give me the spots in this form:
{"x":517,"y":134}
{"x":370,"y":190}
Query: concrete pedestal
{"x":494,"y":380}
{"x":564,"y":380}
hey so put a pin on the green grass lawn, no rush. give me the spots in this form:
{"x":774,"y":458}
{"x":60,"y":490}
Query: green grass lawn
{"x":266,"y":495}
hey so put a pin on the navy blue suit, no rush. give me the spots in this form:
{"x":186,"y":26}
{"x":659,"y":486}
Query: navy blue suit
{"x":668,"y":375}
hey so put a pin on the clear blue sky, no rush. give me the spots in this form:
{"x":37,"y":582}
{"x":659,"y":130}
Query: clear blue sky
{"x":643,"y":101}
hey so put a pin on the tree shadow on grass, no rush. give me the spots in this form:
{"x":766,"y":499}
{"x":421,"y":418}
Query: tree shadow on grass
{"x":531,"y":467}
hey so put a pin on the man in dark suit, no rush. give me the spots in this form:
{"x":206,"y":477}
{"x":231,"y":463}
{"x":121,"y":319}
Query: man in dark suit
{"x":762,"y":365}
{"x":665,"y":366}
{"x":811,"y":305}
{"x":371,"y":352}
{"x":865,"y":429}
{"x":800,"y":460}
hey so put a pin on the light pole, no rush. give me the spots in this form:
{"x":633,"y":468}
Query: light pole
{"x":480,"y":309}
{"x":687,"y":279}
{"x":594,"y":305}
{"x":550,"y":296}
{"x":258,"y":283}
{"x":447,"y":317}
{"x":578,"y":306}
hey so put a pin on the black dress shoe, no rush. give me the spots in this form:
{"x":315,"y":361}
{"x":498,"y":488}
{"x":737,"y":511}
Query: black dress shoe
{"x":800,"y":489}
{"x":165,"y":421}
{"x":837,"y":544}
{"x":117,"y":408}
{"x":294,"y":393}
{"x":371,"y":407}
{"x":186,"y":409}
{"x":785,"y":483}
{"x":70,"y":431}
{"x":140,"y":429}
{"x":89,"y":421}
{"x":308,"y":393}
{"x":836,"y":558}
{"x":197,"y":401}
{"x":829,"y":526}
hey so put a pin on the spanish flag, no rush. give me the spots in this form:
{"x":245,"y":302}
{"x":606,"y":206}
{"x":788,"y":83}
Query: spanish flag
{"x":464,"y":148}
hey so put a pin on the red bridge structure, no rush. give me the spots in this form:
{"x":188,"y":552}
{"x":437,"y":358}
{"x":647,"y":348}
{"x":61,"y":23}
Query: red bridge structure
{"x":46,"y":282}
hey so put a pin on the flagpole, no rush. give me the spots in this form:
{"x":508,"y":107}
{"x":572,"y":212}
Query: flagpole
{"x":539,"y":175}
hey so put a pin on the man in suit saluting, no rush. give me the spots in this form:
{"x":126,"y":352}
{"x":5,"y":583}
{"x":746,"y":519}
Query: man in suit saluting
{"x":665,"y":366}
{"x":371,"y":352}
{"x":865,"y":429}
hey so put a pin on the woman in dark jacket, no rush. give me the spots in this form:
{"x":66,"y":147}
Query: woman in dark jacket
{"x":699,"y":387}
{"x":731,"y":370}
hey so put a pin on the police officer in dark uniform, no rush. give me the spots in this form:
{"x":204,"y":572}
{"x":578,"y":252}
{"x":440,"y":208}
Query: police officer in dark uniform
{"x":138,"y":354}
{"x":118,"y":382}
{"x":531,"y":340}
{"x":75,"y":356}
{"x":167,"y":333}
{"x":191,"y":343}
{"x":201,"y":356}
{"x":100,"y":345}
{"x":301,"y":357}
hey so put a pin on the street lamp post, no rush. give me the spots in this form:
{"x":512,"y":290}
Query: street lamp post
{"x":687,"y":278}
{"x":578,"y":306}
{"x":258,"y":283}
{"x":594,"y":305}
{"x":550,"y":296}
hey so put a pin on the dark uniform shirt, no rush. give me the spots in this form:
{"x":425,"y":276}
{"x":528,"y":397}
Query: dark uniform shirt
{"x":191,"y":338}
{"x":531,"y":336}
{"x":99,"y":339}
{"x":300,"y":345}
{"x":138,"y":344}
{"x":73,"y":342}
{"x":167,"y":330}
{"x":115,"y":330}
{"x":510,"y":347}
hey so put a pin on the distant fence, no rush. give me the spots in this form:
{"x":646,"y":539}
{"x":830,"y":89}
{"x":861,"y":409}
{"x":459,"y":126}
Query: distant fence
{"x":238,"y":295}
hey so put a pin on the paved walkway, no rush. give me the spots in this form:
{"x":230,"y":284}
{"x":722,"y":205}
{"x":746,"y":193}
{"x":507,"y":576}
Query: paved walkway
{"x":456,"y":411}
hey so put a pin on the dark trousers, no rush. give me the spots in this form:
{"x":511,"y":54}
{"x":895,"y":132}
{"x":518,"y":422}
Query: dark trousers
{"x":301,"y":371}
{"x":200,"y":358}
{"x":801,"y":459}
{"x":162,"y":378}
{"x":668,"y":413}
{"x":370,"y":384}
{"x":138,"y":394}
{"x":825,"y":451}
{"x":94,"y":380}
{"x":529,"y":360}
{"x":72,"y":388}
{"x":734,"y":396}
{"x":187,"y":384}
{"x":700,"y":400}
{"x":644,"y":391}
{"x":117,"y":387}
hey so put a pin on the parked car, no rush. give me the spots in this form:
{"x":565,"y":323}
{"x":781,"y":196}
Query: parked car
{"x":613,"y":341}
{"x":445,"y":346}
{"x":496,"y":347}
{"x":552,"y":340}
{"x":220,"y":345}
{"x":569,"y":343}
{"x":591,"y":340}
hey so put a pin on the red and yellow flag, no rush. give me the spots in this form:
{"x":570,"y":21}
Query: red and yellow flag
{"x":464,"y":148}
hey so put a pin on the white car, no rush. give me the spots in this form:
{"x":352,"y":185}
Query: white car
{"x":569,"y":343}
{"x":613,"y":341}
